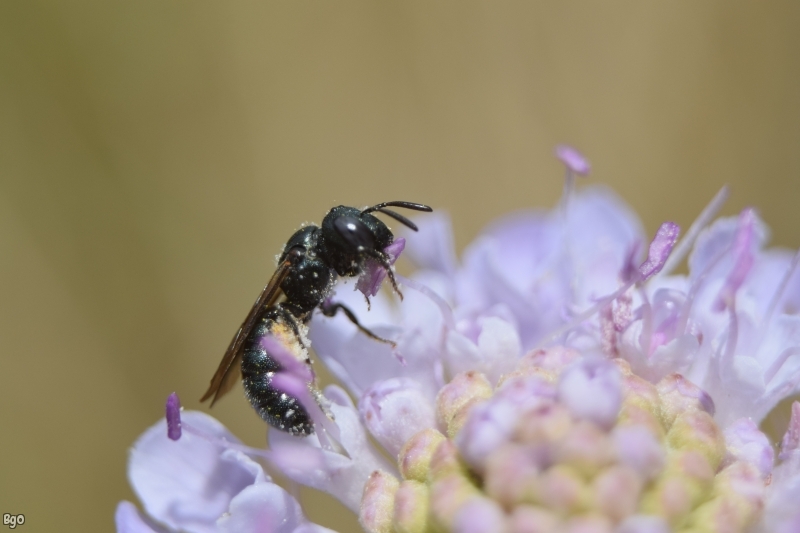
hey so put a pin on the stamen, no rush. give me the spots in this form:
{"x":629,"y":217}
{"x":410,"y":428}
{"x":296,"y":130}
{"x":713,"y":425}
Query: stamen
{"x":173,"y":416}
{"x":742,"y":252}
{"x":791,"y":440}
{"x":683,"y":318}
{"x":444,"y":309}
{"x":629,"y":269}
{"x":586,"y":315}
{"x":175,"y":428}
{"x":733,"y":338}
{"x":776,"y":298}
{"x":741,"y":249}
{"x":660,"y":249}
{"x":573,"y":159}
{"x":683,"y":247}
{"x":575,"y":163}
{"x":779,"y":362}
{"x":646,"y":336}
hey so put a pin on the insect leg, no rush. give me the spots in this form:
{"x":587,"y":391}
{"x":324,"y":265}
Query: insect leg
{"x":390,"y":274}
{"x":330,"y":308}
{"x":383,"y":259}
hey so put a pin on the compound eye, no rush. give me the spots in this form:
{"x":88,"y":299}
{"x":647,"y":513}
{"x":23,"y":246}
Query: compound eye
{"x":355,"y":233}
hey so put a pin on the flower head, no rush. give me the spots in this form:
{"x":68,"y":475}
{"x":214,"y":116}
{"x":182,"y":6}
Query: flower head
{"x":553,"y":380}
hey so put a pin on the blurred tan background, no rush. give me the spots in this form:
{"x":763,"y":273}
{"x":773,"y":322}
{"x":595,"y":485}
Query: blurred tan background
{"x":155,"y":155}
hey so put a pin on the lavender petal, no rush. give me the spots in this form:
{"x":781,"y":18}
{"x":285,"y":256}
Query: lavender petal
{"x":394,"y":410}
{"x":590,"y":387}
{"x":128,"y":519}
{"x":186,"y":484}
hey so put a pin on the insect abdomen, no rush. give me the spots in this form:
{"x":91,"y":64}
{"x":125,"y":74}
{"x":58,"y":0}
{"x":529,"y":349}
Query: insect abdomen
{"x":276,"y":408}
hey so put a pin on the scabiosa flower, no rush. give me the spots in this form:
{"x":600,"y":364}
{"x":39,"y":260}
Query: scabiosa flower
{"x":559,"y":378}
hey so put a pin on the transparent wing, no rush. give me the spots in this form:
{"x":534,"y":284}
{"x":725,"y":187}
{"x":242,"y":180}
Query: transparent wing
{"x":230,"y":368}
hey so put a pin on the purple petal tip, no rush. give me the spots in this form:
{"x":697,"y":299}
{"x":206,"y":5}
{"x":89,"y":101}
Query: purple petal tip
{"x":395,"y":249}
{"x":288,"y":362}
{"x":660,"y":248}
{"x":173,"y":417}
{"x":573,"y":159}
{"x":369,"y":283}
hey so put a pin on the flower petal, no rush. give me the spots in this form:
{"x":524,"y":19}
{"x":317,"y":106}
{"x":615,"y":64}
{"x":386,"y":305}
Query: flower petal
{"x":496,"y":352}
{"x":359,"y":361}
{"x":186,"y":484}
{"x":590,"y":387}
{"x":262,"y":507}
{"x":431,"y":248}
{"x":341,"y":475}
{"x":128,"y":519}
{"x":480,"y":515}
{"x":746,"y":443}
{"x":394,"y":410}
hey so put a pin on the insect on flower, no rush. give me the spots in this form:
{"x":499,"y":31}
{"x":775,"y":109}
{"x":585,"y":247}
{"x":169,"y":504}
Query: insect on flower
{"x":345,"y":244}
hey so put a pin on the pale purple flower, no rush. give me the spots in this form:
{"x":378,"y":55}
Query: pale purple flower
{"x":554,"y":377}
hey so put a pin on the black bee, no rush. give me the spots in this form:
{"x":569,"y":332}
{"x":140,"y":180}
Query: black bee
{"x":307,"y":269}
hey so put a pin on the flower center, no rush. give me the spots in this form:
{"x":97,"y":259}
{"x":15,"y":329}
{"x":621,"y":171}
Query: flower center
{"x":566,"y":444}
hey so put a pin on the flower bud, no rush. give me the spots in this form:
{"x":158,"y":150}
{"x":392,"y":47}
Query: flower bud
{"x":616,"y":492}
{"x":395,"y":409}
{"x":489,"y":426}
{"x":510,"y":475}
{"x":746,"y":443}
{"x":411,"y":508}
{"x":591,"y":390}
{"x":480,"y":515}
{"x":541,"y":428}
{"x":530,"y":519}
{"x":591,"y":523}
{"x":679,"y":395}
{"x":586,"y":448}
{"x":697,"y":431}
{"x":445,"y":461}
{"x":448,"y":495}
{"x":377,"y":503}
{"x":552,"y":360}
{"x":736,"y":500}
{"x":562,"y":489}
{"x":462,"y":392}
{"x":643,"y":524}
{"x":414,"y":458}
{"x":639,"y":449}
{"x":641,"y":393}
